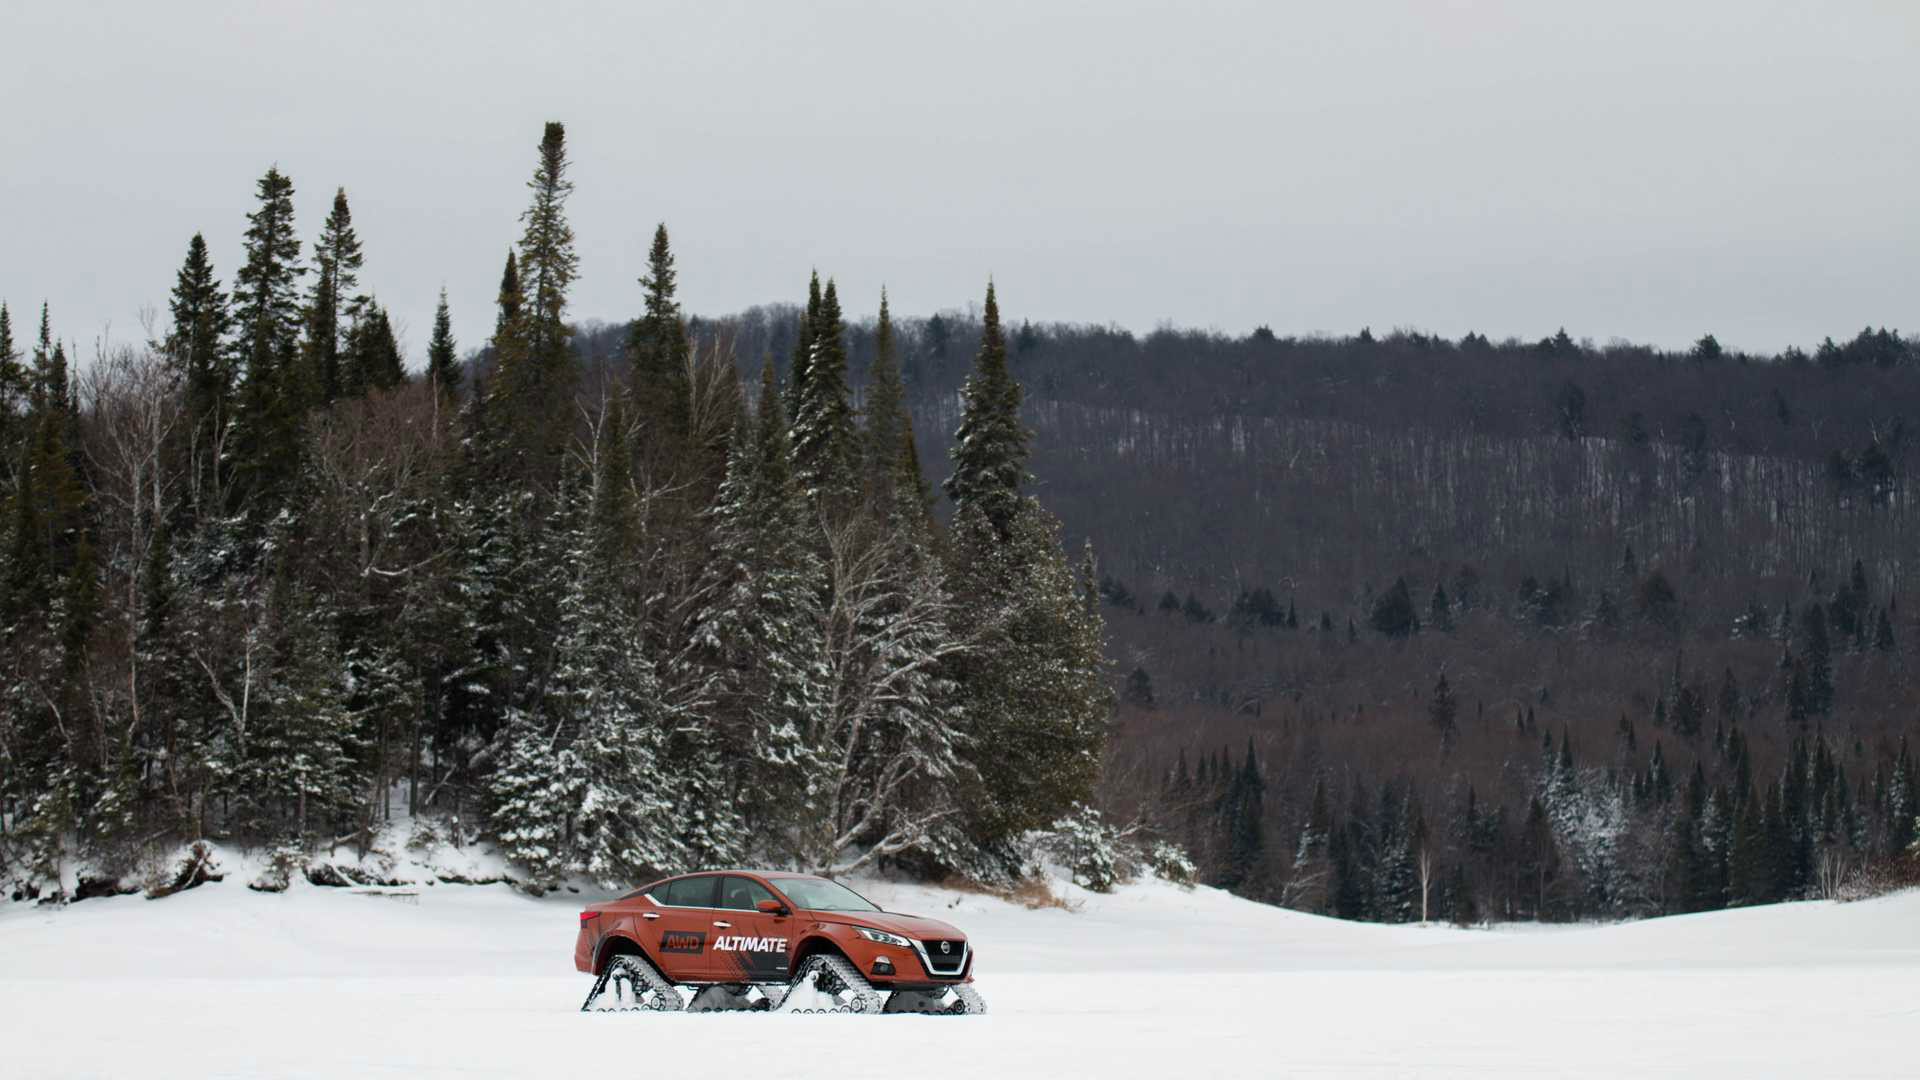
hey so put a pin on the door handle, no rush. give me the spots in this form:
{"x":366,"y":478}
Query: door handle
{"x":717,"y":922}
{"x":649,"y":915}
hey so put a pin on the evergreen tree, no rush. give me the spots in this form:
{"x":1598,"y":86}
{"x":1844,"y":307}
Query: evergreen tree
{"x":1817,"y":652}
{"x":1140,"y":689}
{"x":759,"y":627}
{"x":893,"y":481}
{"x":337,"y":260}
{"x":1750,"y":872}
{"x":443,"y":359}
{"x":372,"y":359}
{"x":267,"y":317}
{"x":1034,"y":686}
{"x":197,"y":353}
{"x":1441,"y":609}
{"x":825,"y":444}
{"x":660,"y":352}
{"x":1443,"y":710}
{"x":1309,"y":885}
{"x":803,"y":348}
{"x":13,"y":385}
{"x":1393,"y":613}
{"x":990,"y":447}
{"x":1689,"y":708}
{"x":1243,"y":815}
{"x":1538,"y":861}
{"x":548,"y":263}
{"x":536,"y":377}
{"x":1730,"y":701}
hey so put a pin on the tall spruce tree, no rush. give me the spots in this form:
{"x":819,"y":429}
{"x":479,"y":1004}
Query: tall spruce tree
{"x":267,"y":316}
{"x":372,"y":358}
{"x":659,"y":352}
{"x":893,"y":482}
{"x":1034,"y":689}
{"x":990,"y":447}
{"x":825,"y":444}
{"x":758,"y":630}
{"x":443,"y":357}
{"x":337,"y":260}
{"x":13,"y":390}
{"x":197,"y":353}
{"x":802,"y":348}
{"x":1816,"y":650}
{"x":539,"y":382}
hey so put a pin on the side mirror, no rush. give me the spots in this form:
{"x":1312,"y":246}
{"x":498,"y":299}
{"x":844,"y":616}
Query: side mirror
{"x":773,"y":907}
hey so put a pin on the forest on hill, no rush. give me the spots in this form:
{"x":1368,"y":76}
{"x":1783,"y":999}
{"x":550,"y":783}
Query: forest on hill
{"x":1582,"y":631}
{"x":1391,"y":627}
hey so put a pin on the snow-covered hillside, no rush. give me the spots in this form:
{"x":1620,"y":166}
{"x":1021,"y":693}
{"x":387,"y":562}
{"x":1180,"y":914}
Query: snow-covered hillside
{"x":1153,"y":981}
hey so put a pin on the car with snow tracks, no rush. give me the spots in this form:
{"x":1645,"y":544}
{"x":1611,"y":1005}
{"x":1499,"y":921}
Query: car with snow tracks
{"x":766,"y":940}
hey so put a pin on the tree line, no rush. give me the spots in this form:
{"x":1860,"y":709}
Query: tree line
{"x":619,"y":611}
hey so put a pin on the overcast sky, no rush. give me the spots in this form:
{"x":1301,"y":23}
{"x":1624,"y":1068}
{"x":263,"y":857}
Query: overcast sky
{"x":1641,"y":170}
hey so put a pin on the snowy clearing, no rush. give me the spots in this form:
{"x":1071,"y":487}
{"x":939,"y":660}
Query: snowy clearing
{"x":1152,"y":981}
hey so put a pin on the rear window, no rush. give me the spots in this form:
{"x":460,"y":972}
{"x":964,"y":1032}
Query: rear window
{"x":686,"y":892}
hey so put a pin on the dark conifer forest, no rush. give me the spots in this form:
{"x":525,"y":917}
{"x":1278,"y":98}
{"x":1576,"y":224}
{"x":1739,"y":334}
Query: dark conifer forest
{"x":1388,"y":626}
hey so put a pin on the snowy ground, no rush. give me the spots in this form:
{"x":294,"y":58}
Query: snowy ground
{"x":1151,"y":982}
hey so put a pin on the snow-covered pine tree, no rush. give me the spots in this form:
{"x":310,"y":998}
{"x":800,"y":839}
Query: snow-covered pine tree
{"x":266,"y":309}
{"x":757,"y":633}
{"x":537,"y":784}
{"x":825,"y":443}
{"x":1034,"y":689}
{"x":990,"y":447}
{"x":604,"y":692}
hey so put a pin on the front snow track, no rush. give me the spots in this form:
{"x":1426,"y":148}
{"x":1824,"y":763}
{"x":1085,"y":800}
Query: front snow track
{"x":824,"y":984}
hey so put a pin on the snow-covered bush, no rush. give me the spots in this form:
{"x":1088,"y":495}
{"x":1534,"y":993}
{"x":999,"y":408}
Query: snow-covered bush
{"x":1088,"y":847}
{"x":1101,"y":855}
{"x":195,"y":867}
{"x":282,"y":863}
{"x":1170,"y":862}
{"x":424,"y":836}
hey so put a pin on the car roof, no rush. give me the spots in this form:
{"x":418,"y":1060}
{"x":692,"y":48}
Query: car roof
{"x":768,"y":875}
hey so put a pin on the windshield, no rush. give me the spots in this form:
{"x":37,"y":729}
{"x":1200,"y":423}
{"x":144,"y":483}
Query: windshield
{"x":819,"y":894}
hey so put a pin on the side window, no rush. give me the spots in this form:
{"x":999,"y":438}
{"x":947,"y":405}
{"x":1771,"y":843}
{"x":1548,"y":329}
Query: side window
{"x":691,"y":892}
{"x":742,"y":894}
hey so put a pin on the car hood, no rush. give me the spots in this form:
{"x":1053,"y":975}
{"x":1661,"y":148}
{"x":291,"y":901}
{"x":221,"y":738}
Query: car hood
{"x":912,"y":926}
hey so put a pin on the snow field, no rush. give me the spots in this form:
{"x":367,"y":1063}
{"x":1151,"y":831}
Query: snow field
{"x":1150,"y":982}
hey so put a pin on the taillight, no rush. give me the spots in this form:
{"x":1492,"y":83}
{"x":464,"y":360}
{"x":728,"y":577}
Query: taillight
{"x":587,"y":915}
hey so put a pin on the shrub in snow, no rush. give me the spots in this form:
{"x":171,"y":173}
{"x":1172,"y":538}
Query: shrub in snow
{"x":195,"y":868}
{"x":1101,"y":855}
{"x":332,"y":875}
{"x":282,"y":863}
{"x":1169,"y":862}
{"x":1088,"y":847}
{"x":424,"y":836}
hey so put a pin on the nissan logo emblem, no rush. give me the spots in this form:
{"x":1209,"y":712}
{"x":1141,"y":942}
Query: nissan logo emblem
{"x":946,"y":946}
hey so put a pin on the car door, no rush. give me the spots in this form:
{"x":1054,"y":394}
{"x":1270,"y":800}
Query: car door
{"x":683,"y":933}
{"x":752,"y":945}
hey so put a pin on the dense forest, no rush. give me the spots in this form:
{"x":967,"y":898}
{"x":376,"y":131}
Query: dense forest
{"x":1472,"y":629}
{"x":1391,"y":627}
{"x":265,"y":586}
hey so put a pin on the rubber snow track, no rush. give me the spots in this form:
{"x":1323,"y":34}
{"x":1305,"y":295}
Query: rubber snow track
{"x":1151,"y":982}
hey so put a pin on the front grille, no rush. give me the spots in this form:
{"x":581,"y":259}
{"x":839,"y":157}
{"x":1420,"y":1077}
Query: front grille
{"x":945,"y":963}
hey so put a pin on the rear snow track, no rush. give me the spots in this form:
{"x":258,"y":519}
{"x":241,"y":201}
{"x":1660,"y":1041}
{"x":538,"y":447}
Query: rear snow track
{"x":1151,"y":982}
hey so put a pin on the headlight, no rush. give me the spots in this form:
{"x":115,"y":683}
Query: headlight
{"x":882,"y":937}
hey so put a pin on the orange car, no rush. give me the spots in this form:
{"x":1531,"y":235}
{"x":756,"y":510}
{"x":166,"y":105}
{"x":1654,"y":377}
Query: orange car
{"x":754,"y":939}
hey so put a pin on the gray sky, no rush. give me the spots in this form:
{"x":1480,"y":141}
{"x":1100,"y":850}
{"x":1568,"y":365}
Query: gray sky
{"x":1639,"y":170}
